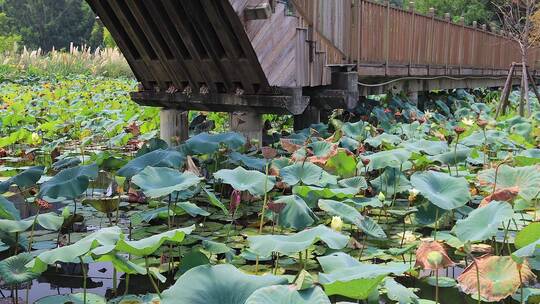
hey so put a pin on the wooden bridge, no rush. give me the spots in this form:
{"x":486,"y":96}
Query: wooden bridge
{"x":297,"y":56}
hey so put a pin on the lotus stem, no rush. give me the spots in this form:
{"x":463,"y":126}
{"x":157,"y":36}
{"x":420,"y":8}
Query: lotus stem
{"x":84,"y":279}
{"x":437,"y":286}
{"x":127,"y":284}
{"x":485,"y":146}
{"x":16,"y":250}
{"x":455,"y":155}
{"x":114,"y":280}
{"x":477,"y":277}
{"x":262,"y":211}
{"x":520,"y":285}
{"x":150,"y":277}
{"x":436,"y":223}
{"x":32,"y":230}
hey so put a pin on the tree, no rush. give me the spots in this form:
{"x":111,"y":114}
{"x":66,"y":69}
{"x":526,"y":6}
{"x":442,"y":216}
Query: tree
{"x":472,"y":10}
{"x":50,"y":23}
{"x":517,"y":18}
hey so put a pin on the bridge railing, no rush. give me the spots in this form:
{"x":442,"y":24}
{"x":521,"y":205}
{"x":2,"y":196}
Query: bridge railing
{"x":379,"y":34}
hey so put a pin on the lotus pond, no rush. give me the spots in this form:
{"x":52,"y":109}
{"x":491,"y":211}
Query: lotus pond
{"x":391,"y":204}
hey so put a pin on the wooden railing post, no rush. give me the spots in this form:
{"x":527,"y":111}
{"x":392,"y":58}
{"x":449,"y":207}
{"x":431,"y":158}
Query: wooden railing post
{"x":430,"y":36}
{"x":473,"y":46}
{"x":446,"y":41}
{"x":461,"y":54}
{"x":411,"y":30}
{"x":387,"y":37}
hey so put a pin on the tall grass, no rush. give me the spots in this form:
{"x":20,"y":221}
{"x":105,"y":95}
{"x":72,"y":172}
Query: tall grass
{"x":107,"y":62}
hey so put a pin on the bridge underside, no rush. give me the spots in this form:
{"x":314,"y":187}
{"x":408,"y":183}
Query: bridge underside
{"x":297,"y":56}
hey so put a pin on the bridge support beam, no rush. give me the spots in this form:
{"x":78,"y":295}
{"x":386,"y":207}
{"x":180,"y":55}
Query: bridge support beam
{"x":174,"y":126}
{"x":310,"y":116}
{"x":249,"y":124}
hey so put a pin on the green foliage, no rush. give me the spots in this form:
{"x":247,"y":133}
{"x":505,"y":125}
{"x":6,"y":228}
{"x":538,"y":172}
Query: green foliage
{"x":471,"y":10}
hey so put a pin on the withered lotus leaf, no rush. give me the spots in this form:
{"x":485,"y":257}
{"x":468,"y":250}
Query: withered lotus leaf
{"x":503,"y":195}
{"x":499,"y":277}
{"x":431,"y":255}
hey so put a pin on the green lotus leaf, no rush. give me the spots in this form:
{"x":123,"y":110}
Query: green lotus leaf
{"x":444,"y":282}
{"x":383,"y":138}
{"x":190,"y":260}
{"x":27,"y":178}
{"x":103,"y":204}
{"x":149,"y":245}
{"x":399,"y":293}
{"x":282,"y":294}
{"x":13,"y":270}
{"x":122,"y":264}
{"x":352,"y":216}
{"x":451,"y":158}
{"x":391,"y":158}
{"x":205,"y":143}
{"x":216,"y":247}
{"x":220,"y":284}
{"x":349,"y":143}
{"x":528,"y":157}
{"x":49,"y":221}
{"x":134,"y":299}
{"x":14,"y":226}
{"x":391,"y":181}
{"x":148,"y":215}
{"x":69,"y":183}
{"x":296,"y":214}
{"x":157,"y":158}
{"x":483,"y":223}
{"x":241,"y":179}
{"x":322,"y":149}
{"x":307,"y":174}
{"x":161,"y":181}
{"x":339,"y":193}
{"x":75,"y":298}
{"x":346,"y":276}
{"x":8,"y":210}
{"x":106,"y":237}
{"x":528,"y":235}
{"x":356,"y":130}
{"x":476,"y":139}
{"x":441,"y":189}
{"x":192,"y":209}
{"x":530,"y":295}
{"x":426,"y":146}
{"x":528,"y":251}
{"x":358,"y":182}
{"x":523,"y":129}
{"x":264,"y":245}
{"x":342,"y":164}
{"x":215,"y":201}
{"x":527,"y":179}
{"x":248,"y":161}
{"x":109,"y":161}
{"x":66,"y":163}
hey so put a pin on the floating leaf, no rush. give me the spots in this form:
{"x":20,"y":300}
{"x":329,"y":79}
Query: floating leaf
{"x":220,"y":284}
{"x":445,"y":191}
{"x":13,"y":270}
{"x":75,"y":298}
{"x":264,"y":245}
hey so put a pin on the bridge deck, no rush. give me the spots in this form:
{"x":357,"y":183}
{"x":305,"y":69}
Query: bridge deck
{"x":270,"y":56}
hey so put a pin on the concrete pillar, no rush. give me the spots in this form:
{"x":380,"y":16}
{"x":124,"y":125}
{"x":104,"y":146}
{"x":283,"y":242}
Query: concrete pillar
{"x":174,"y":126}
{"x":248,"y":124}
{"x":310,"y":116}
{"x":413,"y":97}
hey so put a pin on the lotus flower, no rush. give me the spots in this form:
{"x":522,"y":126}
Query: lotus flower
{"x":337,"y":223}
{"x":431,"y":255}
{"x":236,"y":198}
{"x":499,"y":277}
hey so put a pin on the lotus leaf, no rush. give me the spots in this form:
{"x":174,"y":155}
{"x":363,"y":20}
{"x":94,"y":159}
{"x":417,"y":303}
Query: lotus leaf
{"x":161,"y":181}
{"x":27,"y":178}
{"x":352,"y":216}
{"x":205,"y":143}
{"x":526,"y":179}
{"x":69,"y":183}
{"x":156,"y":158}
{"x":383,"y":138}
{"x":264,"y":245}
{"x":398,"y":292}
{"x":220,"y":284}
{"x":75,"y":298}
{"x":307,"y":174}
{"x":13,"y":270}
{"x":149,"y":245}
{"x":282,"y":294}
{"x":483,"y":223}
{"x":344,"y":275}
{"x":426,"y":146}
{"x":441,"y":189}
{"x":391,"y":158}
{"x":8,"y":210}
{"x":244,"y":180}
{"x":296,"y":214}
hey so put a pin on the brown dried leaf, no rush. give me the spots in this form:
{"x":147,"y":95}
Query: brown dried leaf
{"x":504,"y":195}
